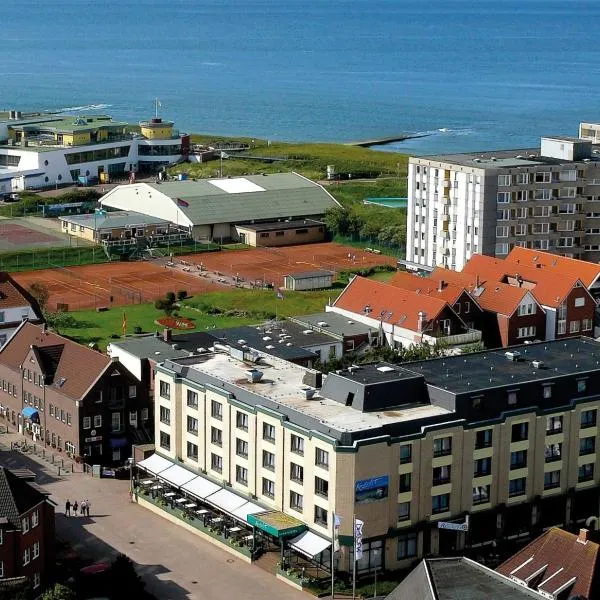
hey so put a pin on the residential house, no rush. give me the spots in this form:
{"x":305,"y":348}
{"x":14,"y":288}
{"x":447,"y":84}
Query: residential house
{"x":71,"y":397}
{"x":26,"y":531}
{"x":16,"y":306}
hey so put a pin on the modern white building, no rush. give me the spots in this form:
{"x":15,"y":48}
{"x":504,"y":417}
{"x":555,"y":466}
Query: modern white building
{"x":490,"y":202}
{"x":47,"y":150}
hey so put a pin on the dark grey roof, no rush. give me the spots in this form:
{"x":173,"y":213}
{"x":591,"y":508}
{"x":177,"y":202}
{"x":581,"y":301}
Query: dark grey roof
{"x":334,"y":323}
{"x":282,"y":225}
{"x":458,"y":579}
{"x":153,"y":347}
{"x":118,"y":219}
{"x":492,"y":368}
{"x":16,"y":497}
{"x":310,"y":274}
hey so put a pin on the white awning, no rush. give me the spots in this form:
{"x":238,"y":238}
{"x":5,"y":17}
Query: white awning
{"x":310,"y":544}
{"x":177,"y":475}
{"x":200,"y":487}
{"x":249,"y":508}
{"x":155,"y":464}
{"x":226,"y":500}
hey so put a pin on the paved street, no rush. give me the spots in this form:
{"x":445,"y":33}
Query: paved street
{"x":174,"y":563}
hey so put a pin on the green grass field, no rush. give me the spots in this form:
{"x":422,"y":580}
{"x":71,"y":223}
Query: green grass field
{"x":209,"y":311}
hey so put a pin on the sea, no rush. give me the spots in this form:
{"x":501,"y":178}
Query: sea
{"x":463,"y":74}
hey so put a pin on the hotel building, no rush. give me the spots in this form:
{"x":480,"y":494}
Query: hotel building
{"x":507,"y":439}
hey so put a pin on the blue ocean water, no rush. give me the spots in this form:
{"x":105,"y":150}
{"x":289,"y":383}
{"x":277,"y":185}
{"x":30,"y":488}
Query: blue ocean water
{"x":472,"y":74}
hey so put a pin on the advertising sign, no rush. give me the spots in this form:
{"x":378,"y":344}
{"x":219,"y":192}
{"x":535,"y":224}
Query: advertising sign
{"x":370,"y":490}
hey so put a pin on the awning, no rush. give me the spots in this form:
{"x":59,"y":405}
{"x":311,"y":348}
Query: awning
{"x":226,"y":500}
{"x":176,"y":475}
{"x":155,"y":464}
{"x":277,"y":524}
{"x":200,"y":487}
{"x":309,"y":544}
{"x":119,"y":442}
{"x":249,"y":508}
{"x":31,"y":413}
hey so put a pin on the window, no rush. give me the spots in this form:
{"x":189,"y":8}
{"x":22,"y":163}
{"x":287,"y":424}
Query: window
{"x":26,"y":556}
{"x":132,"y":391}
{"x":69,"y":419}
{"x":297,"y":445}
{"x":192,"y":425}
{"x":116,"y":422}
{"x":165,"y":415}
{"x":216,"y":436}
{"x":440,"y":504}
{"x":25,"y":525}
{"x":523,"y":332}
{"x":527,"y":309}
{"x":87,"y":421}
{"x":322,"y":458}
{"x":481,"y":494}
{"x":35,"y":519}
{"x":547,"y":391}
{"x":296,"y":473}
{"x":216,"y":463}
{"x":503,"y":215}
{"x":482,"y":466}
{"x":407,"y":546}
{"x":501,"y":249}
{"x":268,"y":488}
{"x":241,"y":420}
{"x":512,"y":398}
{"x":241,"y":448}
{"x":296,"y":501}
{"x":503,"y":197}
{"x":321,"y":487}
{"x":483,"y":439}
{"x":587,"y":445}
{"x":519,"y":432}
{"x":582,"y":387}
{"x":404,"y":511}
{"x":97,"y":420}
{"x":543,"y":194}
{"x":269,"y":432}
{"x":442,"y":446}
{"x":268,"y":461}
{"x":36,"y":550}
{"x":518,"y":459}
{"x":551,"y":480}
{"x":216,"y":410}
{"x":517,"y":487}
{"x":586,"y":324}
{"x":165,"y":440}
{"x":144,"y":414}
{"x":192,"y":399}
{"x":321,"y":516}
{"x":405,"y":482}
{"x":503,"y":180}
{"x":573,"y":326}
{"x":520,"y":229}
{"x":37,"y":579}
{"x":502,"y":231}
{"x":586,"y":473}
{"x":241,"y":475}
{"x":552,"y":452}
{"x":192,"y":451}
{"x":522,"y":178}
{"x":543,"y":177}
{"x":165,"y":390}
{"x":553,"y":424}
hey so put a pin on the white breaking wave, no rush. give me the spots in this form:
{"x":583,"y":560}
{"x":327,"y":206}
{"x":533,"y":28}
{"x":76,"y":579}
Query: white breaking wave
{"x":82,"y":108}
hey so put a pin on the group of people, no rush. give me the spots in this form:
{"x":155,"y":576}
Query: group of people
{"x":83,"y":507}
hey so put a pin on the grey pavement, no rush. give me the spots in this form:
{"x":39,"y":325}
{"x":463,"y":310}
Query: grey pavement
{"x":174,"y":563}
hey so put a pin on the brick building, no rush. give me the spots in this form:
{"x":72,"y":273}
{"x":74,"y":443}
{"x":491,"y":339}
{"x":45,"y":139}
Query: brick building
{"x":70,"y":397}
{"x":26,"y":530}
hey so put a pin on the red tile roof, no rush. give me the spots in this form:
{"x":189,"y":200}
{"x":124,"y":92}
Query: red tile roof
{"x":388,"y":303}
{"x":588,"y":272}
{"x":554,"y":559}
{"x":450,"y":292}
{"x":10,"y":295}
{"x":73,"y":368}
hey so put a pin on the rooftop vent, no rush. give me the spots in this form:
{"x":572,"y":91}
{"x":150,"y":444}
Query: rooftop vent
{"x":175,"y":346}
{"x":308,"y":392}
{"x":385,"y":369}
{"x":254,"y":375}
{"x":519,"y":156}
{"x":537,"y":364}
{"x":242,"y":342}
{"x":269,"y":347}
{"x":307,"y":331}
{"x":513,"y":355}
{"x":266,"y":338}
{"x":322,"y":323}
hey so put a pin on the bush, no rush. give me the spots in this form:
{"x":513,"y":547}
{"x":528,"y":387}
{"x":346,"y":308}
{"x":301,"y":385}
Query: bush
{"x":170,"y":297}
{"x":137,"y":329}
{"x":181,"y":295}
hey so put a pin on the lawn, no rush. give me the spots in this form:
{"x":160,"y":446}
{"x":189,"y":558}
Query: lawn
{"x":214,"y":310}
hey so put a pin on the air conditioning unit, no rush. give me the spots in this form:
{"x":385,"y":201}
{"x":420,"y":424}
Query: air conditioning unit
{"x":513,"y":355}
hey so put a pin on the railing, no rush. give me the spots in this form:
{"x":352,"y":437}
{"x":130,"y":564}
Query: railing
{"x":470,"y":337}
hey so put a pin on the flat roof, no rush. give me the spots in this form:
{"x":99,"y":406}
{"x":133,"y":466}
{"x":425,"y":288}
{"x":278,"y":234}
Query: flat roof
{"x":310,"y":274}
{"x":335,"y":323}
{"x":152,"y":347}
{"x":113,"y":220}
{"x":281,"y":225}
{"x":492,"y":369}
{"x":65,"y":123}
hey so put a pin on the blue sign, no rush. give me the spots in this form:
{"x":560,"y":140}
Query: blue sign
{"x":369,"y":490}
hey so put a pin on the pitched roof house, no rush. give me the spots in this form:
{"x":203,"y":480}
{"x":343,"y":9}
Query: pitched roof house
{"x":16,"y":305}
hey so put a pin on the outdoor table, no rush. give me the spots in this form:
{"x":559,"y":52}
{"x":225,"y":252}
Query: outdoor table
{"x":218,"y":520}
{"x":234,"y":529}
{"x":180,"y":500}
{"x":202,"y":512}
{"x":190,"y":505}
{"x":147,"y":481}
{"x":156,"y":487}
{"x":170,"y":494}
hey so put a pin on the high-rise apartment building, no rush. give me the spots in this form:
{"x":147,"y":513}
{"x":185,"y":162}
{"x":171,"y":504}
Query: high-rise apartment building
{"x":490,"y":202}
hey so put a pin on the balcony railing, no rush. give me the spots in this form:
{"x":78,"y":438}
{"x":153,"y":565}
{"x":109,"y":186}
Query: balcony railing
{"x":469,"y":337}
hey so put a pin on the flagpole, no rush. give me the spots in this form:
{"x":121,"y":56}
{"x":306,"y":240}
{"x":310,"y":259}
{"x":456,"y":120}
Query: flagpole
{"x":332,"y":552}
{"x":354,"y":558}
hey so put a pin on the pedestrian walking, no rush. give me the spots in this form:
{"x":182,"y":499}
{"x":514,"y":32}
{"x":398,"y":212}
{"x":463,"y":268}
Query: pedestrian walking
{"x":82,"y":508}
{"x":75,"y":507}
{"x":68,"y":508}
{"x":87,"y":507}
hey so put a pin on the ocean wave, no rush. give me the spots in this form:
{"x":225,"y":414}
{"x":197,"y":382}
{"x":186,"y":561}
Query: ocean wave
{"x":445,"y":131}
{"x":82,"y":108}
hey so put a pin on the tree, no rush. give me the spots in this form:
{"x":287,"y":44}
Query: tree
{"x":41,"y":294}
{"x":61,"y":320}
{"x":127,"y":583}
{"x":181,"y":295}
{"x":59,"y":592}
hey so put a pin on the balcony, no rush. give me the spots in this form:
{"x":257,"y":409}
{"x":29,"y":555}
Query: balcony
{"x":471,"y":336}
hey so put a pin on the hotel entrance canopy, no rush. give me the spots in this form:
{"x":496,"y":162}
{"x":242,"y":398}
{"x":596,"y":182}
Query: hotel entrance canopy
{"x":277,"y":524}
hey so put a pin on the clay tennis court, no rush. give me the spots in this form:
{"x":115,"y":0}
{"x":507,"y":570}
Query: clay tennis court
{"x":270,"y":265}
{"x":14,"y":236}
{"x":111,"y":284}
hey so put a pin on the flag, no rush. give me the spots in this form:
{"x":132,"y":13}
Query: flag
{"x":224,"y":155}
{"x":124,"y":323}
{"x":337,"y":523}
{"x":159,"y":102}
{"x":183,"y":203}
{"x":280,"y":296}
{"x":358,"y":535}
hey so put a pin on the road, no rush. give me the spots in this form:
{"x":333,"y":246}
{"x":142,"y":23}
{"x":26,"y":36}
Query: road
{"x":174,"y":563}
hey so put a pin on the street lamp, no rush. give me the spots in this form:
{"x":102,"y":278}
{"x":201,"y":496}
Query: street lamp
{"x":130,"y":462}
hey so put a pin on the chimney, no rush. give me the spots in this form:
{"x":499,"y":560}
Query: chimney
{"x":582,"y":538}
{"x":476,"y":281}
{"x":441,"y":285}
{"x":421,"y":320}
{"x":166,"y":334}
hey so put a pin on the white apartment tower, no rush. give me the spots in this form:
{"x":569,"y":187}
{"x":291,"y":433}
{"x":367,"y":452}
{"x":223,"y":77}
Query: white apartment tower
{"x":490,"y":202}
